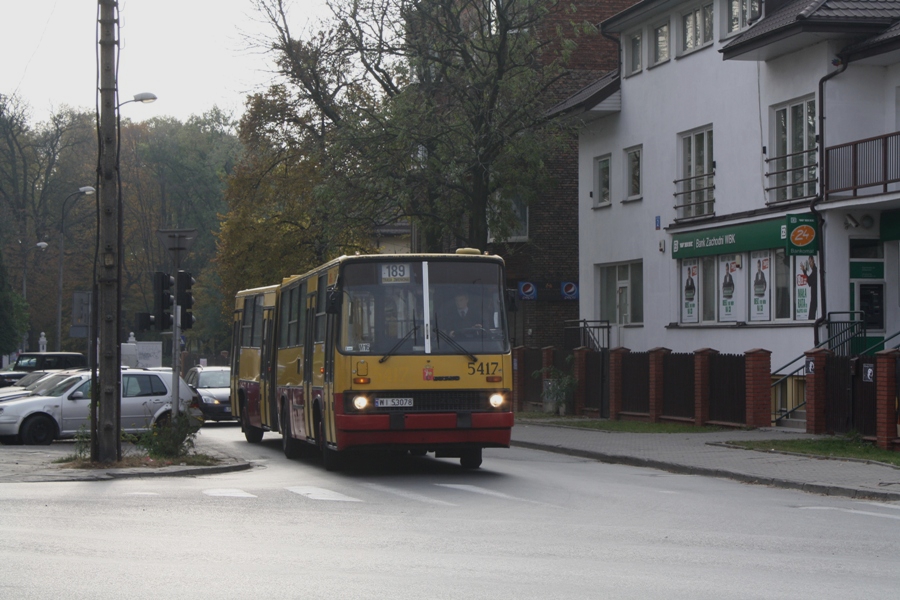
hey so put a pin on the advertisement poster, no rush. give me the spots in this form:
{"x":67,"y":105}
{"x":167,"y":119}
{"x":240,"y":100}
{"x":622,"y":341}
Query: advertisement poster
{"x":807,"y":292}
{"x":730,"y":287}
{"x":760,"y":294}
{"x":689,"y":272}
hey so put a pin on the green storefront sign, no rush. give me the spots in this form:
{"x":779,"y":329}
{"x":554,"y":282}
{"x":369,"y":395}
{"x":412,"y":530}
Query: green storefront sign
{"x":797,"y":234}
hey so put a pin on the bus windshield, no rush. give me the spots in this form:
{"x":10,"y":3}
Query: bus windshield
{"x":384,"y":308}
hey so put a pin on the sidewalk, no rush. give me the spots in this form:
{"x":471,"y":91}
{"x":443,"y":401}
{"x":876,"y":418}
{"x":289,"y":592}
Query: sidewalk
{"x":709,"y":454}
{"x":693,"y":453}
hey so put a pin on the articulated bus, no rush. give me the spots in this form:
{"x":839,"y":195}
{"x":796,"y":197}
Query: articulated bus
{"x":408,"y":352}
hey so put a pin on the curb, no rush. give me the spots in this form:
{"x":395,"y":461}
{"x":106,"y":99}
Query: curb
{"x":812,"y":488}
{"x":75,"y":475}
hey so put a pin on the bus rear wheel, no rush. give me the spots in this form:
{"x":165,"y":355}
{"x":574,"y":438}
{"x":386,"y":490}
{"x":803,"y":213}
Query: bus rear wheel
{"x":291,"y":445}
{"x":252,"y":434}
{"x":470,"y":459}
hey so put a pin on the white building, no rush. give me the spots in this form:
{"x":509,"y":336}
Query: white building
{"x":701,"y":159}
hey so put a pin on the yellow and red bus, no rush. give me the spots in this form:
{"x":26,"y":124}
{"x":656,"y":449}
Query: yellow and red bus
{"x":408,"y":352}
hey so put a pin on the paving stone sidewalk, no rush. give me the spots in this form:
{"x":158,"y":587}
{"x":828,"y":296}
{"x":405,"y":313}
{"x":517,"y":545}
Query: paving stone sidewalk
{"x":708,"y":454}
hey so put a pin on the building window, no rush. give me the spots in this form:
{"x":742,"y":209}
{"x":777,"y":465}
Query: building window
{"x":698,"y":290}
{"x":633,"y":53}
{"x":622,"y":293}
{"x":741,"y":14}
{"x":601,"y":181}
{"x":792,"y":170}
{"x":695,"y":191}
{"x":697,"y":28}
{"x":509,"y":220}
{"x":660,"y":51}
{"x":633,"y":173}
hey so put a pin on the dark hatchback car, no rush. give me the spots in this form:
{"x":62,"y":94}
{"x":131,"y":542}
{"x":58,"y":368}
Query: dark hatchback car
{"x":41,"y":361}
{"x":213,"y":386}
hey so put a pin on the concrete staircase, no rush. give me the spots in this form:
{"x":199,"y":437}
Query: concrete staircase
{"x":796,"y":421}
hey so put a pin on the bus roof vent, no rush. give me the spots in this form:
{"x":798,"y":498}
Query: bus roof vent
{"x":468,"y":251}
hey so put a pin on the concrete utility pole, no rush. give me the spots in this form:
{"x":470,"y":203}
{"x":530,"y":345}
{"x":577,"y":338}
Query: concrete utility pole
{"x":109,"y":394}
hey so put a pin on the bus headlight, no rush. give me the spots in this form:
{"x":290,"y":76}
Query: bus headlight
{"x":496,"y":400}
{"x":360,"y":402}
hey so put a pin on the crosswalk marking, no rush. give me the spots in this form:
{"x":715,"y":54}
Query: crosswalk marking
{"x":408,"y":495}
{"x":229,"y":492}
{"x":853,"y":512}
{"x":316,"y":493}
{"x":485,"y":492}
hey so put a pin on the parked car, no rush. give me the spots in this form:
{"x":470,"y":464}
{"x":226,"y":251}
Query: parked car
{"x":65,"y":408}
{"x":40,"y":361}
{"x":36,"y":383}
{"x":213,"y":384}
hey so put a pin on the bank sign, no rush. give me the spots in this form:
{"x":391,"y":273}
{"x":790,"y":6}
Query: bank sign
{"x":797,"y":234}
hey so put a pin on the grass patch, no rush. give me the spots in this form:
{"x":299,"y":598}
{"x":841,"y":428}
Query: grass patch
{"x":850,"y":446}
{"x":607,"y":425}
{"x":137,"y":460}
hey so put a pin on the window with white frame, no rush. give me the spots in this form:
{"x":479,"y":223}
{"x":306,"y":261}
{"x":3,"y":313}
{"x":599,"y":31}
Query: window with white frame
{"x":622,"y":293}
{"x":697,"y":28}
{"x":792,"y":169}
{"x":509,"y":220}
{"x":695,"y":191}
{"x":633,"y":49}
{"x":600,"y":192}
{"x":660,"y":49}
{"x":633,"y":175}
{"x":740,"y":14}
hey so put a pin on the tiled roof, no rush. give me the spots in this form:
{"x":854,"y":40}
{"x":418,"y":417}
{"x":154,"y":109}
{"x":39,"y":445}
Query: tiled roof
{"x":821,"y":12}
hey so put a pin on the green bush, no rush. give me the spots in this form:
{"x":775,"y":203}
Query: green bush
{"x":173,"y":438}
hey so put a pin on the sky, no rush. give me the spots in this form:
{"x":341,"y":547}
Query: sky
{"x":193,"y":54}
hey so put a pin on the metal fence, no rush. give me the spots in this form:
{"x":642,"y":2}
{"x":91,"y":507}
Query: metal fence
{"x":850,"y":394}
{"x":587,"y":334}
{"x":596,"y":385}
{"x":532,"y":362}
{"x":727,"y":388}
{"x":636,"y":382}
{"x":678,"y":385}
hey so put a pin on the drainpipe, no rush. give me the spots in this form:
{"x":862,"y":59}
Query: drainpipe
{"x":823,"y":171}
{"x":618,"y":44}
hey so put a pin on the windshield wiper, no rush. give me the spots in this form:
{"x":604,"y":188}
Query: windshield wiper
{"x":398,"y":344}
{"x":456,"y":345}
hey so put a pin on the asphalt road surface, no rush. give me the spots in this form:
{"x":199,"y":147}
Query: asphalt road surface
{"x":528,"y":524}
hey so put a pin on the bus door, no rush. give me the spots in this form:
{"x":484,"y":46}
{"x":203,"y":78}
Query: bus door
{"x":309,"y":395}
{"x":268,"y":409}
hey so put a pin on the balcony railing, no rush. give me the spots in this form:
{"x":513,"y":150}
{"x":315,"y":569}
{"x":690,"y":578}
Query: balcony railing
{"x":695,"y":196}
{"x":791,"y":176}
{"x":864,"y":167}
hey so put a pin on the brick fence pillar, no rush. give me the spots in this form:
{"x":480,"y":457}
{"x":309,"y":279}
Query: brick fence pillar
{"x":815,"y":389}
{"x":701,"y":385}
{"x":615,"y":381}
{"x":758,"y":382}
{"x":519,"y":375}
{"x":580,"y":372}
{"x":657,"y":381}
{"x":886,"y":397}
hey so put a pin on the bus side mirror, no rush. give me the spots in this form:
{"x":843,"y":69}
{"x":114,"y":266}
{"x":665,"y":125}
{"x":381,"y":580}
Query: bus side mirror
{"x":511,"y":301}
{"x":333,"y":302}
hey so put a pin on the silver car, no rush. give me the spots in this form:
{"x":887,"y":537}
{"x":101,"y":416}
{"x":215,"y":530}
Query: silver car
{"x":65,"y":409}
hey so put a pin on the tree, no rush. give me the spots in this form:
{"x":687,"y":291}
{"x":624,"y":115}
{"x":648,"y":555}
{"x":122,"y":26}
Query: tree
{"x":430,"y":110}
{"x":13,"y":314}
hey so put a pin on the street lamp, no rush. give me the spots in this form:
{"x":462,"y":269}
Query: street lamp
{"x":82,"y":191}
{"x":39,"y":246}
{"x":143,"y":98}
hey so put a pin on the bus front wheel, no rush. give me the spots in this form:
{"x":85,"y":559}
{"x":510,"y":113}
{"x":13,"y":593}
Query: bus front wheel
{"x":331,"y":460}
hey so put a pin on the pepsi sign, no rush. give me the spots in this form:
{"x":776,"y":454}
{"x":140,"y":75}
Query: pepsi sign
{"x":527,"y":291}
{"x":569,"y":290}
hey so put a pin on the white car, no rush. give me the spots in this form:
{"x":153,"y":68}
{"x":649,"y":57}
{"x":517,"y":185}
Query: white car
{"x":65,"y":409}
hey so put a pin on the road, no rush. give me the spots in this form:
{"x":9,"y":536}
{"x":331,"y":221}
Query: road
{"x":528,"y":524}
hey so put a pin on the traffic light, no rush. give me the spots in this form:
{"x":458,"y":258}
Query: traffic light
{"x":143,"y":321}
{"x":185,"y":299}
{"x":162,"y":300}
